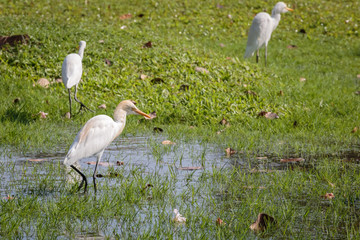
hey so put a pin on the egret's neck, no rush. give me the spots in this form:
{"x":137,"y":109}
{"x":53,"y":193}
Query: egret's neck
{"x":120,"y":115}
{"x":81,"y":51}
{"x":276,"y":19}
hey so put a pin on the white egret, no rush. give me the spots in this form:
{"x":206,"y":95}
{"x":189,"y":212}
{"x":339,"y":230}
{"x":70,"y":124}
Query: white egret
{"x":72,"y":71}
{"x":97,"y":134}
{"x":261,"y":28}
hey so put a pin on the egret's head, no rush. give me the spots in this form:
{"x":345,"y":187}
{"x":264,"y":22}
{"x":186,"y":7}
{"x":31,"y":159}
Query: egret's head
{"x":281,"y":7}
{"x":82,"y":44}
{"x":129,"y":107}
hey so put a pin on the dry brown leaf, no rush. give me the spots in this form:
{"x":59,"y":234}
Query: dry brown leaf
{"x":223,"y":122}
{"x":291,"y":46}
{"x":281,"y":93}
{"x":8,"y":197}
{"x":108,"y":62}
{"x":14,"y":39}
{"x":249,"y":92}
{"x":143,"y":76}
{"x":68,"y":115}
{"x":268,"y":115}
{"x":355,"y":130}
{"x":105,"y":164}
{"x":190,"y":168}
{"x":262,"y":222}
{"x":167,"y":142}
{"x":125,"y":16}
{"x":147,"y":45}
{"x":43,"y":82}
{"x":102,"y":106}
{"x":328,"y":196}
{"x":37,"y":160}
{"x":291,"y":160}
{"x":220,"y":222}
{"x":158,"y":130}
{"x":229,"y":151}
{"x":201,"y":69}
{"x":42,"y":115}
{"x":302,"y":79}
{"x":119,"y":163}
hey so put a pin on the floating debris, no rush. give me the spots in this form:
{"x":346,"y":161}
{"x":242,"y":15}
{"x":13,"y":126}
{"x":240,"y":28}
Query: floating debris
{"x":178,"y":217}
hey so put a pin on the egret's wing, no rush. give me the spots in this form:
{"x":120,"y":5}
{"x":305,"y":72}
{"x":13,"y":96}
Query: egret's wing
{"x":95,"y":136}
{"x":71,"y":70}
{"x":257,"y":33}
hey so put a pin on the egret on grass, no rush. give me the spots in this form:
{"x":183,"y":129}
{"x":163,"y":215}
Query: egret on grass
{"x":72,"y":71}
{"x":261,"y":28}
{"x":97,"y":134}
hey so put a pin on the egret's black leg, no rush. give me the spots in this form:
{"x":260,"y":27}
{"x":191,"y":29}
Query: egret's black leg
{"x":81,"y":104}
{"x":69,"y":100}
{"x":83,"y":176}
{"x":257,"y":56}
{"x":265,"y":55}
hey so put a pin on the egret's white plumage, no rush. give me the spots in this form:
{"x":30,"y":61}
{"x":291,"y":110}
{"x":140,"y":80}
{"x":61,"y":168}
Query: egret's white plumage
{"x":97,"y":134}
{"x":72,"y":71}
{"x":261,"y":28}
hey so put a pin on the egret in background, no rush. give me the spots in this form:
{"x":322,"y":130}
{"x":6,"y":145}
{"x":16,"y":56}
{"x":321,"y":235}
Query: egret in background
{"x":72,"y":71}
{"x":261,"y":28}
{"x":97,"y":134}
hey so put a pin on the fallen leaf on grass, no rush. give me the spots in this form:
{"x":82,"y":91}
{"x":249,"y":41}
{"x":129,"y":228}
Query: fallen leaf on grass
{"x":42,"y":115}
{"x":268,"y":115}
{"x":14,"y":39}
{"x":37,"y":160}
{"x":201,"y":69}
{"x":108,"y":62}
{"x":328,"y":196}
{"x":143,"y":76}
{"x":167,"y":142}
{"x":291,"y":46}
{"x":43,"y":82}
{"x":249,"y":92}
{"x":358,"y":76}
{"x":105,"y":164}
{"x":281,"y":93}
{"x":291,"y":160}
{"x":68,"y":115}
{"x":261,"y":158}
{"x":262,"y":222}
{"x":158,"y":130}
{"x":102,"y":106}
{"x":223,"y":122}
{"x":190,"y":168}
{"x":220,"y":222}
{"x":8,"y":197}
{"x":354,"y":130}
{"x":222,"y":45}
{"x":302,"y":79}
{"x":178,"y":218}
{"x":58,"y":80}
{"x":229,"y":151}
{"x":119,"y":163}
{"x":147,"y":45}
{"x":125,"y":16}
{"x":101,"y":41}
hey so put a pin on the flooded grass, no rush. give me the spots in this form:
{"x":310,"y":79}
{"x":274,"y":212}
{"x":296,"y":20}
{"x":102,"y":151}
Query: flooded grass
{"x":138,"y":201}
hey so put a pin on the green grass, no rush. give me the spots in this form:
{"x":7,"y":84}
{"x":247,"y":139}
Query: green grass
{"x":316,"y":117}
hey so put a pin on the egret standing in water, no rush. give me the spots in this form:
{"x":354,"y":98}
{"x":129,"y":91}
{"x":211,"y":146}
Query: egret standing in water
{"x":97,"y":134}
{"x":72,"y":71}
{"x":261,"y":28}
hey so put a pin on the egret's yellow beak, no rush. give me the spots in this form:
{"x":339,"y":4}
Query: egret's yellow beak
{"x":141,"y":113}
{"x":289,"y":9}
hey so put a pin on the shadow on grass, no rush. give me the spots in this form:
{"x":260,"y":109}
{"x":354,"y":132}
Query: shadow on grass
{"x":17,"y":114}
